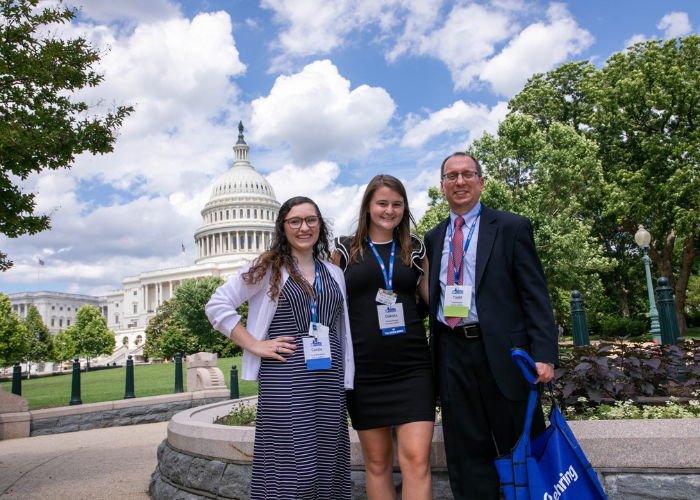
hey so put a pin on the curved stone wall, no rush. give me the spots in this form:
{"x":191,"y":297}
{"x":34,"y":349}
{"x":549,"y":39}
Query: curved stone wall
{"x":200,"y":459}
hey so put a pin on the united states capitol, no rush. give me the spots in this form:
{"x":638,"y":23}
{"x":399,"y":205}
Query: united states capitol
{"x":237,"y":225}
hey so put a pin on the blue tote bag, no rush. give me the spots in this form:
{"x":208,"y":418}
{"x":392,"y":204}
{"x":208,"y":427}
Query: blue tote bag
{"x":552,"y":466}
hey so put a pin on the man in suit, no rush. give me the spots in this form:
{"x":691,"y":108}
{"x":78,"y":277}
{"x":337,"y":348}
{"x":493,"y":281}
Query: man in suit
{"x":482,"y":392}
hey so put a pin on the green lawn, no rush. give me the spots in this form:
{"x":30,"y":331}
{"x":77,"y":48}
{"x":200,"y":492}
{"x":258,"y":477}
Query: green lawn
{"x":109,"y":385}
{"x":692,"y":333}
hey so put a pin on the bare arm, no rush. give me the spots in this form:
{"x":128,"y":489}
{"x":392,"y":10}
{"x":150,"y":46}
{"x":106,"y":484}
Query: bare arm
{"x":262,"y":348}
{"x":423,"y":286}
{"x":335,"y":258}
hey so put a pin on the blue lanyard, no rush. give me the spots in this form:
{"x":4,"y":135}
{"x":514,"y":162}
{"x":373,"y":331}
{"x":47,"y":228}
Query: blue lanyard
{"x":466,"y":245}
{"x":387,"y":278}
{"x":318,"y":288}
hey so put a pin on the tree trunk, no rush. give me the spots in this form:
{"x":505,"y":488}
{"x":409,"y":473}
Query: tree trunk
{"x":665,"y":266}
{"x":688,"y":255}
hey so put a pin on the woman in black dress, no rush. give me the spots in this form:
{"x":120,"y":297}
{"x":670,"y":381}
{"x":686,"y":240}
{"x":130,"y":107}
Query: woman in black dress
{"x":386,"y":269}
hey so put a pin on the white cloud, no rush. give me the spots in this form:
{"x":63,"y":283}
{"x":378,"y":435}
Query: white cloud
{"x":318,"y":182}
{"x":460,"y":117}
{"x":91,"y":247}
{"x":318,"y":116}
{"x":129,"y":211}
{"x":538,"y":48}
{"x":675,"y":24}
{"x":467,"y":38}
{"x":102,"y":11}
{"x":319,"y":26}
{"x":339,"y":203}
{"x":635,"y":39}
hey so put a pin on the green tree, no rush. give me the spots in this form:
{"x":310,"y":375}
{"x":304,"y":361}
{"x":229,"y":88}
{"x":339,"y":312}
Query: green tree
{"x":647,"y":123}
{"x":63,"y":347}
{"x":191,"y":298}
{"x":90,"y":334}
{"x":693,"y":296}
{"x":157,"y":325}
{"x":39,"y":339}
{"x":549,"y":177}
{"x":173,"y":342}
{"x":42,"y":123}
{"x":642,"y":111}
{"x":13,"y":336}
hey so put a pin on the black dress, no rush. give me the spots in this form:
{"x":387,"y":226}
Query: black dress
{"x":302,"y":444}
{"x":393,"y":375}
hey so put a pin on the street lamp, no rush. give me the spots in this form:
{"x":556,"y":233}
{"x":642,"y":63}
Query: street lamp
{"x":643,"y":238}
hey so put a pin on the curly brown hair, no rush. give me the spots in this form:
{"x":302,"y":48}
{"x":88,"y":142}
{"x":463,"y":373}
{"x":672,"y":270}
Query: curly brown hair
{"x":280,"y":253}
{"x":402,"y":232}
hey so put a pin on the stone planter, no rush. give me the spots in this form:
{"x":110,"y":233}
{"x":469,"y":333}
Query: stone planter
{"x":648,"y":459}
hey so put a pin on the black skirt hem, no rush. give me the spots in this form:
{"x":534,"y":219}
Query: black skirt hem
{"x":420,"y":417}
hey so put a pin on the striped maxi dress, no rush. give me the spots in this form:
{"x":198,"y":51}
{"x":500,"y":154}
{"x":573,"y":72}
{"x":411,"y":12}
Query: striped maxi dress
{"x":302,"y":444}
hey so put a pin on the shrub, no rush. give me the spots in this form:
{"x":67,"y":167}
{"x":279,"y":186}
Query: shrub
{"x":621,"y":327}
{"x":627,"y":410}
{"x":243,"y":415}
{"x":620,"y":370}
{"x":692,"y":320}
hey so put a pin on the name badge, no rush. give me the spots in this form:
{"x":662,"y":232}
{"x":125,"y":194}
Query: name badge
{"x":458,"y":298}
{"x":386,"y":297}
{"x":391,"y":319}
{"x":317,"y":351}
{"x":317,"y":330}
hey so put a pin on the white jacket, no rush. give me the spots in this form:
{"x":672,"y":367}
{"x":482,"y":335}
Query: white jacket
{"x":221,"y":311}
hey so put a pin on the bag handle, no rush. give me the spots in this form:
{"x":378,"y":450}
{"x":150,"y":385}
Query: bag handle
{"x":529,"y":369}
{"x":526,"y":365}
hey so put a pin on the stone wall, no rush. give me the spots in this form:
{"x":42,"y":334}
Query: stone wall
{"x":144,"y":414}
{"x":17,"y":422}
{"x":634,"y":459}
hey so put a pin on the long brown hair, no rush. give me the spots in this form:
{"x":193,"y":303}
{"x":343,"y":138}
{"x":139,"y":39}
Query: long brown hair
{"x":280,"y":253}
{"x":402,"y":232}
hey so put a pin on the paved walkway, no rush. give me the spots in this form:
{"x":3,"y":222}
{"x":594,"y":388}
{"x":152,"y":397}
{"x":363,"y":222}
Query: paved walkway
{"x":113,"y":463}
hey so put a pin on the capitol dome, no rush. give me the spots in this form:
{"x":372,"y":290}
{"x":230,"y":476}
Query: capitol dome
{"x":239,"y":218}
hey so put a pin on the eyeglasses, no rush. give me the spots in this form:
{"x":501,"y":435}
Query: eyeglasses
{"x":296,"y":222}
{"x":467,"y":176}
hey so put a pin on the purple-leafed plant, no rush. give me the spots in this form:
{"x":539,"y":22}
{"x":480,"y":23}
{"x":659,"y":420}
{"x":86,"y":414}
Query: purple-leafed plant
{"x":621,"y":369}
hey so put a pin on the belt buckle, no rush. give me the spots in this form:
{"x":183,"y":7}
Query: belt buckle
{"x":466,"y":332}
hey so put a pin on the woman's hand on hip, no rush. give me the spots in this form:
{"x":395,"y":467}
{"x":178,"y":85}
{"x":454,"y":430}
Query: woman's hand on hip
{"x":274,"y":348}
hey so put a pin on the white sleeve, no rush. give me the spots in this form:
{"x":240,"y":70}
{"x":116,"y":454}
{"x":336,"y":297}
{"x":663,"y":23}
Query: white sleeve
{"x":221,"y":308}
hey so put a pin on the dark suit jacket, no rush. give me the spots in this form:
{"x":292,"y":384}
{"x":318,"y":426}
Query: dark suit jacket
{"x":512,"y":299}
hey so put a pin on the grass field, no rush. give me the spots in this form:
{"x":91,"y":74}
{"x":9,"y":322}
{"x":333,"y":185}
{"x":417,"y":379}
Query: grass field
{"x":109,"y":385}
{"x":692,"y":333}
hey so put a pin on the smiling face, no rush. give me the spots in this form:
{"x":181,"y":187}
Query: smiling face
{"x":385,"y":211}
{"x":462,"y":195}
{"x":303,"y":239}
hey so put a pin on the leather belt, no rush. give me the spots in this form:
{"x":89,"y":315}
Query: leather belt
{"x":472,"y":331}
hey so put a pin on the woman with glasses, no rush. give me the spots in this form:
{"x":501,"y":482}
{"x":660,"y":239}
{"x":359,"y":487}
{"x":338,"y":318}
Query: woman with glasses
{"x":297,"y":345}
{"x":385,"y":270}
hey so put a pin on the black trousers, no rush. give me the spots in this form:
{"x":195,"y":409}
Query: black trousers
{"x":479,"y":422}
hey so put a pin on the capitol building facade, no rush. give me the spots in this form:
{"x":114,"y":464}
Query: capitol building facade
{"x":238,"y":222}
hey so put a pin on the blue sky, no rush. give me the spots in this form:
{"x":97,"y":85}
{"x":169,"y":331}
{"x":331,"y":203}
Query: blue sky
{"x":331,"y":94}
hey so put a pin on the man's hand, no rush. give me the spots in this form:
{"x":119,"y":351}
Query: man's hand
{"x":545,"y":371}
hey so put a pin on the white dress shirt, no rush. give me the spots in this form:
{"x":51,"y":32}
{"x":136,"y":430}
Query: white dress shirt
{"x":469,"y":263}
